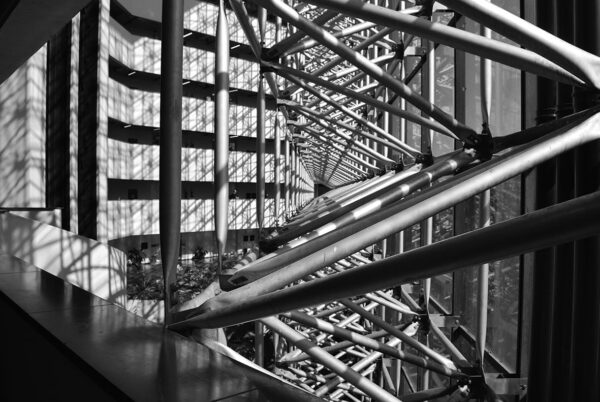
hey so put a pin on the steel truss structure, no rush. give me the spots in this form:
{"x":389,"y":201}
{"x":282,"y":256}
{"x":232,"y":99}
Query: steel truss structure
{"x":350,"y":327}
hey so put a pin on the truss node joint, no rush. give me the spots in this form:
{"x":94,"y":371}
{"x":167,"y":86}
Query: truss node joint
{"x":426,"y":159}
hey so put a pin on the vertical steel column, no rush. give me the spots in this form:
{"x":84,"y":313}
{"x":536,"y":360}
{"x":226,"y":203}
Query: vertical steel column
{"x":585,"y":348}
{"x":564,"y":254}
{"x":428,"y":87}
{"x":286,"y":173}
{"x":293,"y":178}
{"x":297,"y":177}
{"x":483,"y":279}
{"x":277,"y":200}
{"x":544,"y":264}
{"x":259,"y":343}
{"x":260,"y":154}
{"x":277,"y":135}
{"x":400,"y":235}
{"x":259,"y":331}
{"x":171,"y":91}
{"x":485,"y":81}
{"x":221,"y":132}
{"x":400,"y":240}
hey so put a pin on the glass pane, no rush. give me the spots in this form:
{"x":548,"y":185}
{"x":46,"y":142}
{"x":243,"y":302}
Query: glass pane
{"x":441,"y":286}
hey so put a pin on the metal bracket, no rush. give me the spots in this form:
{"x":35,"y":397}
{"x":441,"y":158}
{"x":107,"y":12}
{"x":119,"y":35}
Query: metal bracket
{"x":444,"y":321}
{"x":417,"y":51}
{"x":485,"y":144}
{"x":506,"y":386}
{"x":285,"y":102}
{"x":426,"y":8}
{"x":398,"y":50}
{"x":265,"y":69}
{"x":398,"y":167}
{"x":475,"y":380}
{"x":425,"y":159}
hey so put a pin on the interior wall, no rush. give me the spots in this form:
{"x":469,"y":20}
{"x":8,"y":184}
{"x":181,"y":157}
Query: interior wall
{"x":23,"y":135}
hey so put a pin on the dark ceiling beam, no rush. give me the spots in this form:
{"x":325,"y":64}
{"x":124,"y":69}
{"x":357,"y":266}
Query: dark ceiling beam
{"x":27,"y":24}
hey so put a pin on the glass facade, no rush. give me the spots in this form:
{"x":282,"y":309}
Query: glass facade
{"x":360,"y":203}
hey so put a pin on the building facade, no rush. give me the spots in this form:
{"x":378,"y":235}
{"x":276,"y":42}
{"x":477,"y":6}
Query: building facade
{"x":90,"y":144}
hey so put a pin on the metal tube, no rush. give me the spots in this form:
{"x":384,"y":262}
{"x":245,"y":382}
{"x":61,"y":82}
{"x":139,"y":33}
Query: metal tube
{"x":329,"y":361}
{"x":325,"y":38}
{"x":277,"y":180}
{"x":404,"y":147}
{"x":386,"y":58}
{"x":286,"y":174}
{"x":293,"y":253}
{"x":171,"y":92}
{"x":348,"y":169}
{"x":384,"y":302}
{"x":262,"y":24}
{"x":330,"y":218}
{"x":295,"y":357}
{"x":259,"y":331}
{"x":533,"y":133}
{"x":584,"y":349}
{"x":334,"y":146}
{"x":358,"y":146}
{"x":297,"y":168}
{"x":367,"y":342}
{"x":336,"y":61}
{"x":484,"y":206}
{"x":357,"y":191}
{"x":318,"y":118}
{"x":583,"y":64}
{"x":428,"y":86}
{"x":360,"y":365}
{"x":279,"y":48}
{"x":495,"y":50}
{"x":259,"y":343}
{"x":450,"y":347}
{"x":407,"y":339}
{"x":260,"y":154}
{"x":244,"y":19}
{"x":221,"y":169}
{"x":483,"y":280}
{"x":338,"y":146}
{"x":553,"y":225}
{"x":293,"y":179}
{"x":226,"y":309}
{"x":308,"y":43}
{"x":343,"y":158}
